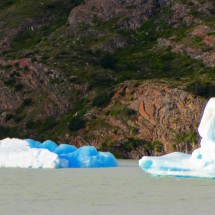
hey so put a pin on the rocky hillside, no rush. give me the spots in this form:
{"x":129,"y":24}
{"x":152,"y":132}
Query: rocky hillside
{"x":128,"y":76}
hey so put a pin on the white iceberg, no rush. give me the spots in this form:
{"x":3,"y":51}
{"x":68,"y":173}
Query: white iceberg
{"x":18,"y":153}
{"x":201,"y":163}
{"x":33,"y":154}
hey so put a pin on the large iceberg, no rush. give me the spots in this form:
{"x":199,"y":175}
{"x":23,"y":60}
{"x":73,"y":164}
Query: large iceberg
{"x":33,"y":154}
{"x":201,"y":163}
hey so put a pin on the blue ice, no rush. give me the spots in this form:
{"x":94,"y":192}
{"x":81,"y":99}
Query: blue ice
{"x":201,"y":163}
{"x":48,"y":144}
{"x":65,"y":149}
{"x":89,"y":157}
{"x":71,"y":157}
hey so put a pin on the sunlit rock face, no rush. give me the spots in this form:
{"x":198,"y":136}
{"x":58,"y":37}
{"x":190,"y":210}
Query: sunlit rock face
{"x":33,"y":154}
{"x":201,"y":163}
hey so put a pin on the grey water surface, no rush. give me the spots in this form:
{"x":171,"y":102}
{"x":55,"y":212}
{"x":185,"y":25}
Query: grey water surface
{"x":125,"y":190}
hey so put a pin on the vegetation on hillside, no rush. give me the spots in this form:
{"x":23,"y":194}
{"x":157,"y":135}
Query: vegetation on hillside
{"x":97,"y":57}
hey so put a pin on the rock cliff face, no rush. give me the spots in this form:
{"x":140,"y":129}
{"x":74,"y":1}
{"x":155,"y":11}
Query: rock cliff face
{"x":148,"y":111}
{"x":167,"y":112}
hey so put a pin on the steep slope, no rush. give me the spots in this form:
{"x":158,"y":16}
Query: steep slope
{"x":63,"y":63}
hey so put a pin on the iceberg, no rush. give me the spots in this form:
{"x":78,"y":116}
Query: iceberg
{"x":201,"y":163}
{"x":88,"y":156}
{"x":18,"y":153}
{"x":34,"y":154}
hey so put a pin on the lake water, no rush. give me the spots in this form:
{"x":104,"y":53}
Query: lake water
{"x":125,"y":190}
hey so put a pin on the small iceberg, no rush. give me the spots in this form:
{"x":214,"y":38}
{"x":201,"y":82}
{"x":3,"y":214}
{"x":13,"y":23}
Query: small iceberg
{"x":201,"y":163}
{"x":33,"y":154}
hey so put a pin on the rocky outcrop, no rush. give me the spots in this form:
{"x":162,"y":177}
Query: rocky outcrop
{"x":201,"y":31}
{"x":184,"y":12}
{"x":166,"y":112}
{"x":130,"y":14}
{"x":162,"y":114}
{"x":26,"y":83}
{"x":126,"y":14}
{"x":205,"y":52}
{"x":210,"y":40}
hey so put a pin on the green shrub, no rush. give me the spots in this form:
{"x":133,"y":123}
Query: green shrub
{"x":130,"y":112}
{"x":8,"y":117}
{"x":47,"y":124}
{"x":18,"y":87}
{"x":102,"y":99}
{"x":31,"y":124}
{"x":76,"y":123}
{"x":10,"y":82}
{"x":8,"y":132}
{"x":6,"y":3}
{"x":99,"y":79}
{"x":203,"y":89}
{"x":186,"y":142}
{"x":41,"y":125}
{"x":27,"y":102}
{"x":17,"y":64}
{"x":158,"y":147}
{"x":115,"y":112}
{"x":26,"y":68}
{"x":108,"y":61}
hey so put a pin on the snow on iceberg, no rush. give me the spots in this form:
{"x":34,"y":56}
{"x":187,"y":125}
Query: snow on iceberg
{"x":33,"y":154}
{"x":201,"y":163}
{"x":18,"y":153}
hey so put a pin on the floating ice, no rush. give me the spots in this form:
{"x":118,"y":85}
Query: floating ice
{"x":88,"y":156}
{"x":202,"y":161}
{"x":65,"y":149}
{"x":33,"y":154}
{"x":18,"y":153}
